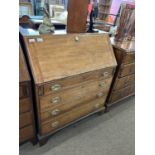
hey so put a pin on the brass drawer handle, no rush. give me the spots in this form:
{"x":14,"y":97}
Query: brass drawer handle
{"x":96,"y":105}
{"x":56,"y":87}
{"x":55,"y":124}
{"x":55,"y":100}
{"x":105,"y":74}
{"x":100,"y":94}
{"x":55,"y":112}
{"x":77,"y":38}
{"x":102,"y":84}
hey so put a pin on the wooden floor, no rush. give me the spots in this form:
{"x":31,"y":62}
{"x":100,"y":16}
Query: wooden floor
{"x":108,"y":134}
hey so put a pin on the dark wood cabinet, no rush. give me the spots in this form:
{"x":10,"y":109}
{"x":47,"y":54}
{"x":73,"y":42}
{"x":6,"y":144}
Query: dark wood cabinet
{"x":123,"y":85}
{"x":26,"y":116}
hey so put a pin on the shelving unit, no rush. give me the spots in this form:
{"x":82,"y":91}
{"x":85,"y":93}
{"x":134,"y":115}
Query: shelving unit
{"x":104,"y":9}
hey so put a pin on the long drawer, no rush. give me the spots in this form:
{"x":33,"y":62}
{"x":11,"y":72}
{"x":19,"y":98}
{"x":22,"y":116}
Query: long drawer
{"x":26,"y":133}
{"x":127,"y":70}
{"x":24,"y":90}
{"x":77,"y":95}
{"x":25,"y":119}
{"x":76,"y":113}
{"x":124,"y":81}
{"x":74,"y":81}
{"x":24,"y":105}
{"x":67,"y":107}
{"x":122,"y":93}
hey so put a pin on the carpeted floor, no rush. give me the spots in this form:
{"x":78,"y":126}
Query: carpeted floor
{"x":108,"y":134}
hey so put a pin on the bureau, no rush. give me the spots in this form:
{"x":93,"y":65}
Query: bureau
{"x":26,"y":116}
{"x":123,"y":85}
{"x":72,"y":76}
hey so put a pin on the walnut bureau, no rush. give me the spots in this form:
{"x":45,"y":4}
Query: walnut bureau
{"x":123,"y":85}
{"x":26,"y":116}
{"x":72,"y":76}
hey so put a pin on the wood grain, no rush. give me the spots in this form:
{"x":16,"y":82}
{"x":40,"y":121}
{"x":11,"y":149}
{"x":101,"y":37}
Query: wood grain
{"x":23,"y":71}
{"x":125,"y":81}
{"x":24,"y":105}
{"x":70,"y":82}
{"x":72,"y":115}
{"x":25,"y":119}
{"x":25,"y":133}
{"x":117,"y":95}
{"x":50,"y":62}
{"x":77,"y":16}
{"x":127,"y":70}
{"x":79,"y":93}
{"x":129,"y":57}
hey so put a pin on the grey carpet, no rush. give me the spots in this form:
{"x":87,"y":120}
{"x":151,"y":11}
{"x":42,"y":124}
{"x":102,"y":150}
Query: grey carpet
{"x":109,"y":134}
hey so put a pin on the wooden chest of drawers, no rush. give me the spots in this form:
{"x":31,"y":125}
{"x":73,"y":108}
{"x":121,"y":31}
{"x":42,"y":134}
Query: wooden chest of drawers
{"x":26,"y":117}
{"x":72,"y":77}
{"x":123,"y":84}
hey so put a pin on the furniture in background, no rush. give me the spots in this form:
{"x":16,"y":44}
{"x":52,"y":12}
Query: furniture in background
{"x":123,"y":85}
{"x":71,"y":80}
{"x":77,"y":16}
{"x":25,"y":8}
{"x":59,"y":22}
{"x":104,"y":9}
{"x":39,"y":5}
{"x":56,"y":10}
{"x":27,"y":131}
{"x":126,"y":26}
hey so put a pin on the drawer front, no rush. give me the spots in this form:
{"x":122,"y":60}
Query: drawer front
{"x":21,"y":92}
{"x":26,"y":133}
{"x":25,"y":119}
{"x":72,"y":115}
{"x":24,"y":90}
{"x":70,"y":82}
{"x":127,"y":70}
{"x":124,"y":82}
{"x":120,"y":94}
{"x":57,"y":111}
{"x":69,"y":98}
{"x":129,"y":57}
{"x":25,"y":105}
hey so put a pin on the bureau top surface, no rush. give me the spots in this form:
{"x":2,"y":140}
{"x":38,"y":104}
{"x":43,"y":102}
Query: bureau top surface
{"x":54,"y":57}
{"x":128,"y":46}
{"x":23,"y":71}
